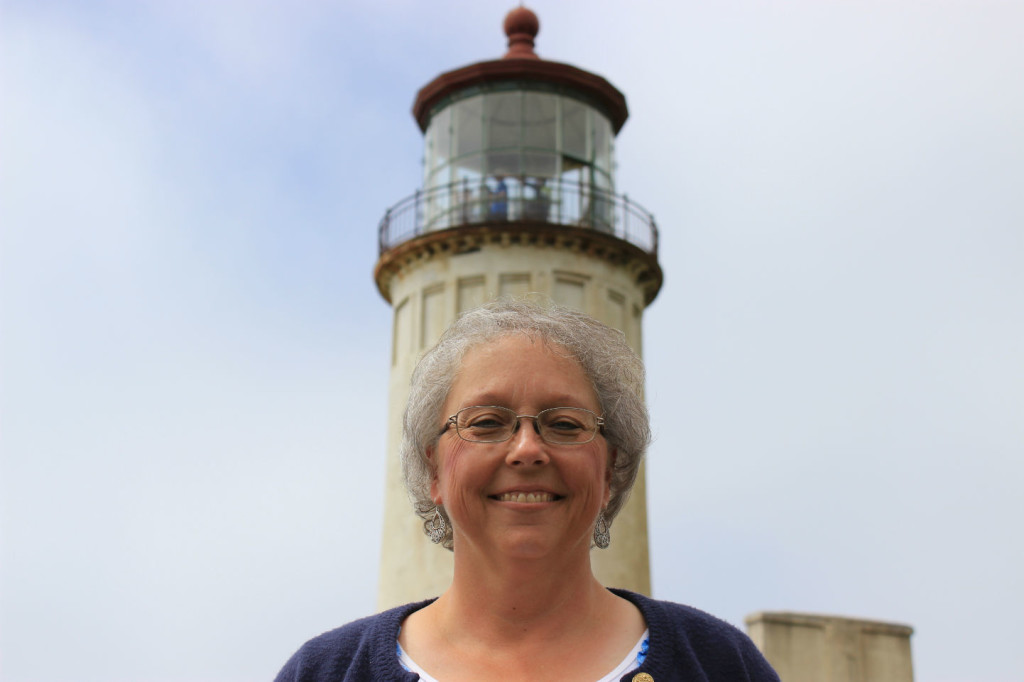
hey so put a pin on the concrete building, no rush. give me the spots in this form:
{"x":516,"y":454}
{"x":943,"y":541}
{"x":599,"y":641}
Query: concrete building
{"x":518,"y":197}
{"x":811,"y":648}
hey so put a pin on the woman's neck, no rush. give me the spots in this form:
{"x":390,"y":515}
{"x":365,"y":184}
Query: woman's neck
{"x":520,"y":599}
{"x":520,"y":617}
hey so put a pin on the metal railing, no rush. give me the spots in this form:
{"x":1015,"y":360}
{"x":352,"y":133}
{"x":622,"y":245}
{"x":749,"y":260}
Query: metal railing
{"x":522,"y":199}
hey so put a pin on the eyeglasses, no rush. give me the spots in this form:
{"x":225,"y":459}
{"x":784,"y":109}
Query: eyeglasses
{"x":494,"y":424}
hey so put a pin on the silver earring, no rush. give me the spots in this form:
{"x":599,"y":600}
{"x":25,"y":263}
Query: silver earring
{"x":602,"y":536}
{"x":436,"y":527}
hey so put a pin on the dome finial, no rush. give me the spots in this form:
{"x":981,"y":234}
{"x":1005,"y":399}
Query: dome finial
{"x":521,"y":27}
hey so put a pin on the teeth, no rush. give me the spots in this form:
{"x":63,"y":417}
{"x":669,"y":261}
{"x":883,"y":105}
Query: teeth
{"x":526,"y":497}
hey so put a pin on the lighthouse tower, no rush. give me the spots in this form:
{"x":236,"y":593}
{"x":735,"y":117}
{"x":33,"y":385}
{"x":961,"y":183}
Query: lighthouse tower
{"x":518,"y":198}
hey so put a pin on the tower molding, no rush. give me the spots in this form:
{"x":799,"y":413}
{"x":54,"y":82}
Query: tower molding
{"x":455,"y":241}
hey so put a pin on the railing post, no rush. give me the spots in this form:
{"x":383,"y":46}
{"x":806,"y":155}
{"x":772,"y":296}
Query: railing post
{"x":521,"y":190}
{"x":464,"y":201}
{"x":591,"y":204}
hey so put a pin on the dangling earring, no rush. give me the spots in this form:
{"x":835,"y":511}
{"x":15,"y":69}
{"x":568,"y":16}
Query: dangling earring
{"x":436,"y":527}
{"x":602,"y":536}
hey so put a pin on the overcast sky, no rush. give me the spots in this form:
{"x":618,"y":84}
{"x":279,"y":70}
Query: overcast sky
{"x":195,"y":357}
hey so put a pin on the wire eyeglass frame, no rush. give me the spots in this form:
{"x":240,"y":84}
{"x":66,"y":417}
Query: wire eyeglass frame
{"x":545,"y":429}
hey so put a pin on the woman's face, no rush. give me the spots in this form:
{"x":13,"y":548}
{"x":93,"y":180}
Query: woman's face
{"x":479,"y":484}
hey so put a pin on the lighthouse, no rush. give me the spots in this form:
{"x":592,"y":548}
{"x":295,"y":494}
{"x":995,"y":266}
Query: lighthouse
{"x":518,"y":199}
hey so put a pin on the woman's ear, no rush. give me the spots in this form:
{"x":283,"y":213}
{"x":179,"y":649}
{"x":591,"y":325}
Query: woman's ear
{"x":608,"y":477}
{"x":435,"y":489}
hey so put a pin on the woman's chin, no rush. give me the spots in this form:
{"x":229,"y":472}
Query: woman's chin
{"x":531,"y":544}
{"x":525,"y":549}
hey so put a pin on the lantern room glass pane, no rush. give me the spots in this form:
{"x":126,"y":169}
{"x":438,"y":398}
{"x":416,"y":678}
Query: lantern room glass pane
{"x":602,"y":142}
{"x":441,"y":176}
{"x":540,"y":120}
{"x":441,"y":139}
{"x":469,"y":167}
{"x":428,"y":151}
{"x":574,"y":128}
{"x":504,"y":119}
{"x":540,"y":164}
{"x":470,"y":191}
{"x":503,"y":163}
{"x":468,"y":125}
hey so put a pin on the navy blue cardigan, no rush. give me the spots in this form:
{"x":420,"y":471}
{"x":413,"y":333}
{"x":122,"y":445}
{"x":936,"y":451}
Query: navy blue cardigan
{"x":686,"y":645}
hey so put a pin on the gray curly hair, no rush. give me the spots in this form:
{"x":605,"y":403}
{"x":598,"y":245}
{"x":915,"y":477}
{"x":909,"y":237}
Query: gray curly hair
{"x":614,"y":369}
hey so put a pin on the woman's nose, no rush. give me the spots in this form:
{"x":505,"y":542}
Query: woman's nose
{"x":526,"y":446}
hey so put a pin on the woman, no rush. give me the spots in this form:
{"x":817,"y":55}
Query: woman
{"x":522,"y":437}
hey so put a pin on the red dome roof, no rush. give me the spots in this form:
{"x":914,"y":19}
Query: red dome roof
{"x":521,"y":27}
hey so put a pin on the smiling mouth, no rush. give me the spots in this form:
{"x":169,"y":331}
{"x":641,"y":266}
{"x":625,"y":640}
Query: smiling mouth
{"x":526,"y":497}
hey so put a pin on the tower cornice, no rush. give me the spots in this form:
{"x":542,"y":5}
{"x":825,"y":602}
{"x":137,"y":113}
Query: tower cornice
{"x":603,"y":93}
{"x":642,"y":265}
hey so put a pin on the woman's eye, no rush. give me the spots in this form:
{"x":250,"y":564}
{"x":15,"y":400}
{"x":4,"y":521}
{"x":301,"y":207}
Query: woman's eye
{"x":485,"y":423}
{"x":565,"y":425}
{"x":485,"y":420}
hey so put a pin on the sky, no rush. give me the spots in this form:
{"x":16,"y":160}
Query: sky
{"x":194,"y":356}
